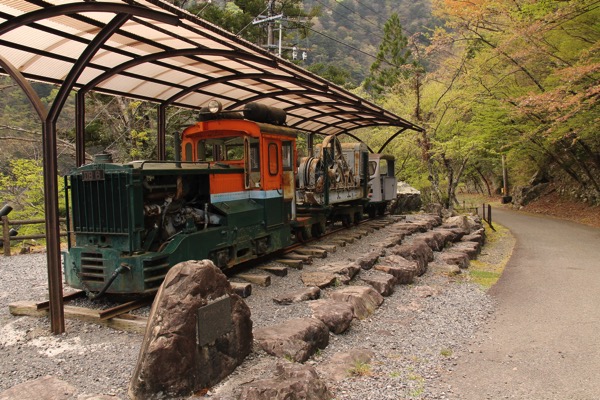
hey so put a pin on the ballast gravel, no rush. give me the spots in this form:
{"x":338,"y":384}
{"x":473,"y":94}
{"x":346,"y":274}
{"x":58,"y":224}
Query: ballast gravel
{"x":415,"y":335}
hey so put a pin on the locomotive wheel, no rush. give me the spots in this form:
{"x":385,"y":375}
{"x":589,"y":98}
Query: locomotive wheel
{"x":316,"y":230}
{"x":301,"y":235}
{"x":372,"y":212}
{"x":381,"y":209}
{"x":346,"y":220}
{"x":357,"y":218}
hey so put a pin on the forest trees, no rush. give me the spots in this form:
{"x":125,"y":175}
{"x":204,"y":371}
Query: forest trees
{"x":518,"y":78}
{"x":398,"y":74}
{"x":536,"y":66}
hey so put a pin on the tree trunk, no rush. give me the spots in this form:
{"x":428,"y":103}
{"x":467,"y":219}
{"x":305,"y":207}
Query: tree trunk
{"x":487,"y":183}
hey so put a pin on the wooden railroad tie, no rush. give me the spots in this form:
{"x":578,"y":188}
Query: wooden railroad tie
{"x":124,"y":322}
{"x":295,"y":256}
{"x":331,"y":248}
{"x":242,"y":289}
{"x":297,"y":264}
{"x":378,"y":225}
{"x":259,"y":279}
{"x":347,"y":239}
{"x":308,"y":251}
{"x":275,"y":270}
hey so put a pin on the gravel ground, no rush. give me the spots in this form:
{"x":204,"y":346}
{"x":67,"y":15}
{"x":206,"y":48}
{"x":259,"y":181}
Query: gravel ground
{"x":415,"y":335}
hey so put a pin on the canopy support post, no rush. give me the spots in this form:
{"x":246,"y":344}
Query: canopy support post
{"x":161,"y":147}
{"x":80,"y":128}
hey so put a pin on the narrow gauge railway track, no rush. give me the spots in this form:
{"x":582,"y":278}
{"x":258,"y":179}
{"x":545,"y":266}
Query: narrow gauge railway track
{"x":118,"y":314}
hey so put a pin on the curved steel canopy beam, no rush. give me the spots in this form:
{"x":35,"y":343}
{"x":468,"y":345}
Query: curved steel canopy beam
{"x":76,"y":8}
{"x":390,"y":139}
{"x":31,"y":94}
{"x":355,"y":138}
{"x":301,"y":92}
{"x":373,"y":123}
{"x":367,"y":116}
{"x":284,"y":78}
{"x":175,"y":53}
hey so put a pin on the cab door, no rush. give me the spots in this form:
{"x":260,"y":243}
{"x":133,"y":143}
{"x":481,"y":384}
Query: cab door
{"x":289,"y":181}
{"x":272,"y":176}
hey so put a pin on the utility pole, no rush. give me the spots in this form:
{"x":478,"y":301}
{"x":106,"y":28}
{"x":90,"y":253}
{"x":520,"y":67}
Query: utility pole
{"x":506,"y":198}
{"x":271,"y":19}
{"x":270,"y":23}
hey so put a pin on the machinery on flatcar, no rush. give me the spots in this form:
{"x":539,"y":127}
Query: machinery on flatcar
{"x":234,"y":193}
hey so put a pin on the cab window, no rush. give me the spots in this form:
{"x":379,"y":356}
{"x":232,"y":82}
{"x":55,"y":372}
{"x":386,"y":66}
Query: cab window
{"x":286,"y":155}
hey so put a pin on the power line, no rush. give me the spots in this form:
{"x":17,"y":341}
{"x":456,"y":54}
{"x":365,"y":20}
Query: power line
{"x":340,"y":42}
{"x":354,"y":12}
{"x":350,"y":46}
{"x":366,"y":6}
{"x":250,"y":23}
{"x":348,"y":19}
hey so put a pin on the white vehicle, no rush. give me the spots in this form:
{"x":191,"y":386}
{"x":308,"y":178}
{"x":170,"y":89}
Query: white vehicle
{"x":382,"y":182}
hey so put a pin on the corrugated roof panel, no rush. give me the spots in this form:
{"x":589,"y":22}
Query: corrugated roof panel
{"x":22,"y":6}
{"x":109,"y":59}
{"x":195,"y":100}
{"x":88,"y":75}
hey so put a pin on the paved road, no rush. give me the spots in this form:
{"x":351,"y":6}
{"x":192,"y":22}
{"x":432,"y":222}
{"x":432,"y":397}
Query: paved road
{"x":544,"y":340}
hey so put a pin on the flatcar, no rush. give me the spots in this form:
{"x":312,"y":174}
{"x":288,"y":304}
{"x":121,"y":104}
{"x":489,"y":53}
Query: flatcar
{"x":237,"y":190}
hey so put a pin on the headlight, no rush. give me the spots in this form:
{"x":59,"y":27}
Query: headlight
{"x":215,"y":106}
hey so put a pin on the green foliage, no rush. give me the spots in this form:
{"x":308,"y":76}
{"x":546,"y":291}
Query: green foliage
{"x":22,"y":186}
{"x":446,"y":352}
{"x":360,"y":368}
{"x":348,"y":34}
{"x":393,"y":55}
{"x":332,"y":73}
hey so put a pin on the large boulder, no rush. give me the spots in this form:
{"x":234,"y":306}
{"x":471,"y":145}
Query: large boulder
{"x":320,"y":279}
{"x":418,"y":251}
{"x":451,"y":235}
{"x":455,"y":257}
{"x":45,"y":388}
{"x":460,"y":221}
{"x":523,"y":195}
{"x":382,"y":282}
{"x":364,"y":299}
{"x":470,"y":248}
{"x":368,"y":260}
{"x":434,"y":239}
{"x":336,"y":315}
{"x":296,"y":296}
{"x":345,"y":271}
{"x":198,"y":332}
{"x":402,"y":269}
{"x":407,"y":199}
{"x":296,"y":339}
{"x":291,"y":382}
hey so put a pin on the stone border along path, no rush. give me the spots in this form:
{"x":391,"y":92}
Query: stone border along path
{"x":355,"y":289}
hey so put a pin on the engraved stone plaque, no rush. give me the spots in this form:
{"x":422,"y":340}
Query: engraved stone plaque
{"x":214,"y":320}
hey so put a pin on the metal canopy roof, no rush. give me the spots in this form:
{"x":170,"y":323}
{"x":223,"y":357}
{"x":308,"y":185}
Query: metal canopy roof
{"x":151,"y":50}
